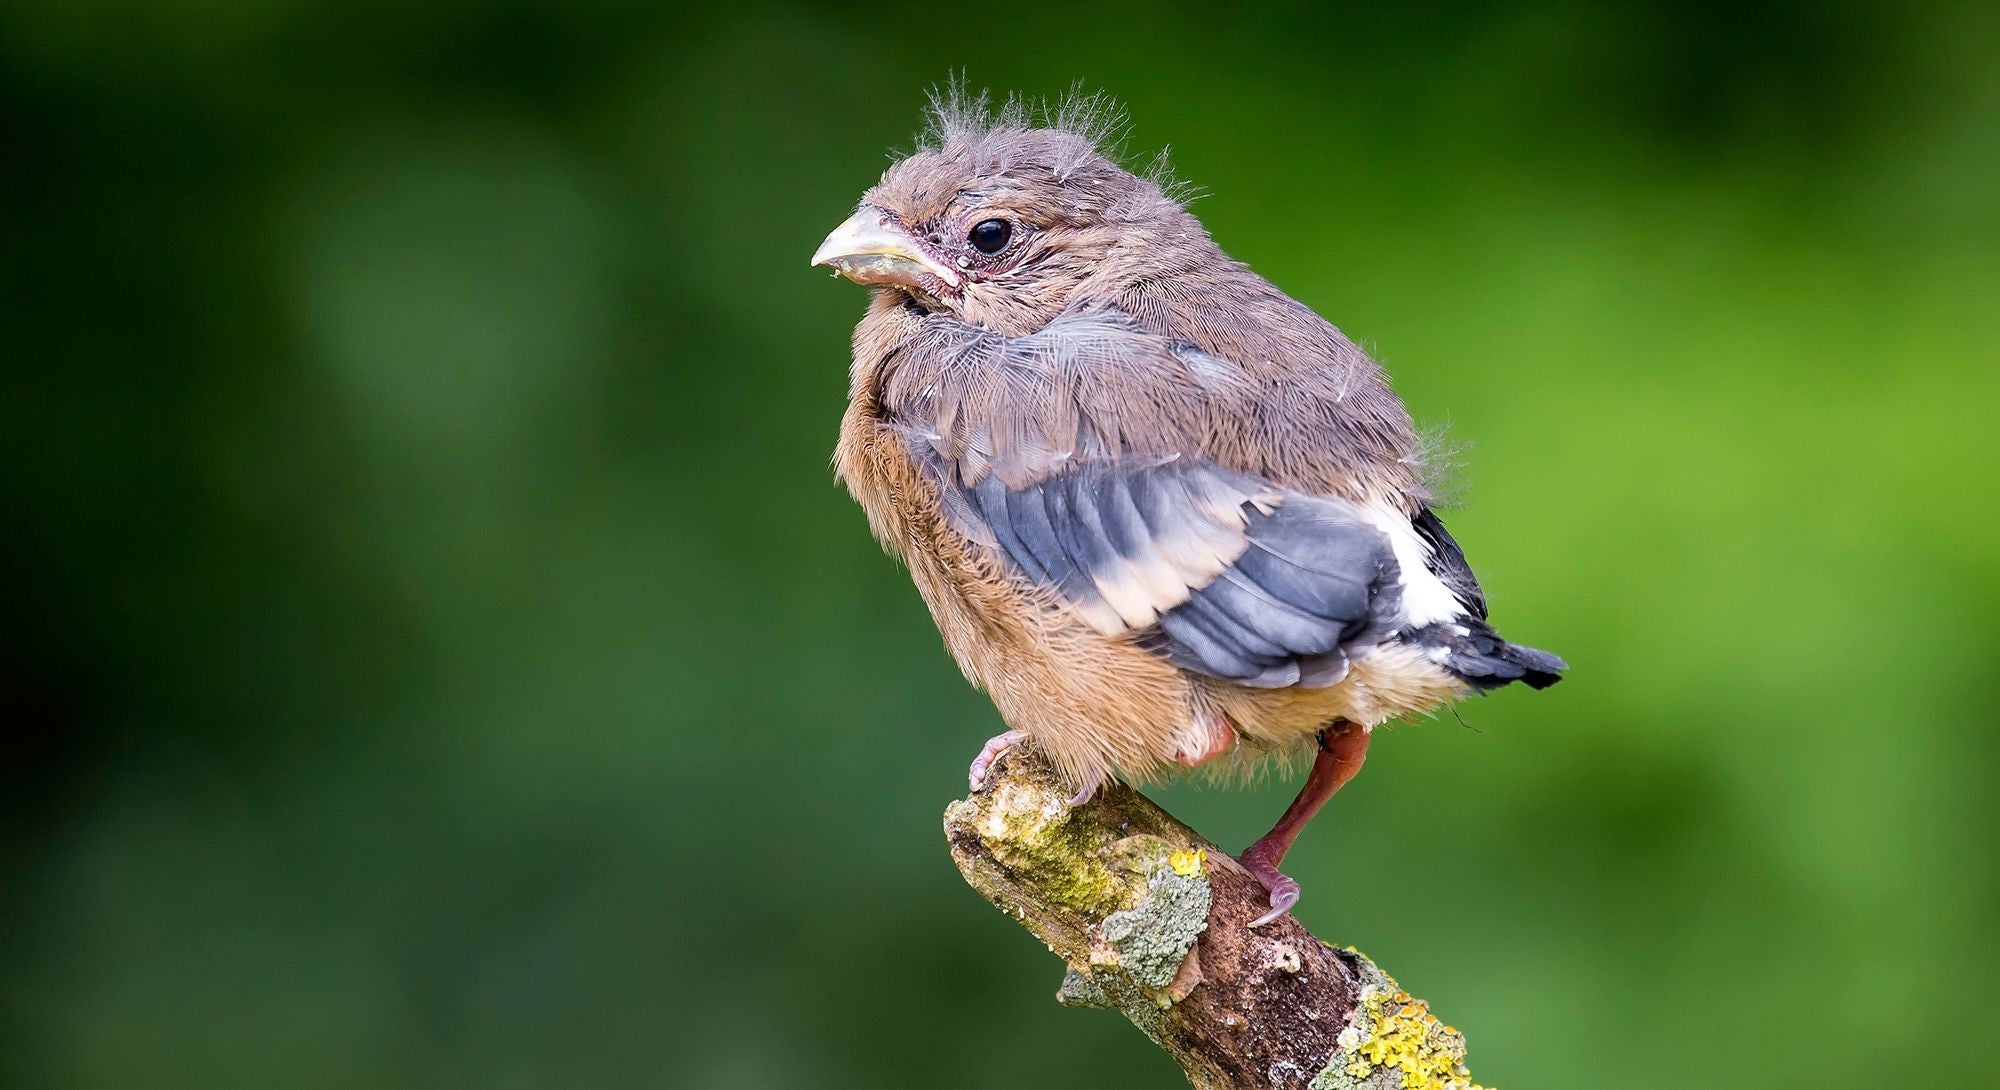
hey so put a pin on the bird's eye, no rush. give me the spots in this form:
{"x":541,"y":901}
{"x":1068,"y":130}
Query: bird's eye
{"x":990,"y":236}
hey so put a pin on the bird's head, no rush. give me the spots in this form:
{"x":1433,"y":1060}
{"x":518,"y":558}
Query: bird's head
{"x":1004,"y":224}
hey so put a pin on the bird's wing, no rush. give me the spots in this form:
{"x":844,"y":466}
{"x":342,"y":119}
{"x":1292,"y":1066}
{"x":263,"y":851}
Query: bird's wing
{"x":1222,"y":573}
{"x":1117,"y":511}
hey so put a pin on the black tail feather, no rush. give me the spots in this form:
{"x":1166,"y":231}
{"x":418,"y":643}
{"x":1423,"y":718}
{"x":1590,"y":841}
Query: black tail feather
{"x":1484,"y":659}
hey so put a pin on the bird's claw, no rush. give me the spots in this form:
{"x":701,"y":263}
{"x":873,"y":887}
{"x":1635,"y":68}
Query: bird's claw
{"x":1284,"y":894}
{"x":997,"y":746}
{"x":1085,"y":793}
{"x":1283,"y":889}
{"x":989,"y":753}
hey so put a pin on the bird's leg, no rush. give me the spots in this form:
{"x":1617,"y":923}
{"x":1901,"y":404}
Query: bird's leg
{"x":990,"y":752}
{"x":1341,"y":750}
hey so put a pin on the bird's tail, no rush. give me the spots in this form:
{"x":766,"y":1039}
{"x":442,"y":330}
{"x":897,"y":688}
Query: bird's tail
{"x":1485,"y":660}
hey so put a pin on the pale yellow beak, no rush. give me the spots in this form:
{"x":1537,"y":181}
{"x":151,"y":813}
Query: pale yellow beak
{"x":868,"y":249}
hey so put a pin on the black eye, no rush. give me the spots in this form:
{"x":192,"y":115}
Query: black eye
{"x":990,"y":236}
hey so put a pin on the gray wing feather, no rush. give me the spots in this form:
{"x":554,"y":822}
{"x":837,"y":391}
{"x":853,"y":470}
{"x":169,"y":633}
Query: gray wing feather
{"x":1224,"y":574}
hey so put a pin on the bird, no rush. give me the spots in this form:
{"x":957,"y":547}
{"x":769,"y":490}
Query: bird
{"x":1165,"y":515}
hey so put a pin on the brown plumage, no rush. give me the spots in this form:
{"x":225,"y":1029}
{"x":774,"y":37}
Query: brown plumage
{"x":1160,"y":511}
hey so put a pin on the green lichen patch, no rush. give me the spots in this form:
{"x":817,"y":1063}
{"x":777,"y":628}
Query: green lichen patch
{"x":1079,"y":990}
{"x":1140,"y":950}
{"x":1153,"y":937}
{"x":1393,"y":1042}
{"x":1124,"y":995}
{"x":1030,"y":829}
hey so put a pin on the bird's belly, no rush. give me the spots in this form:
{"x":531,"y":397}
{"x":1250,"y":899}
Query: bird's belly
{"x":1384,"y":683}
{"x":1097,"y":704}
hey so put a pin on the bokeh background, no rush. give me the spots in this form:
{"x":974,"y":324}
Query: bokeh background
{"x":439,"y":655}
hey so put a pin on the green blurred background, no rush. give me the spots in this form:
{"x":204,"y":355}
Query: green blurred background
{"x":441,"y":656}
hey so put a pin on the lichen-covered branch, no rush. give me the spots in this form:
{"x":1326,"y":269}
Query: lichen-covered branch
{"x":1150,"y":920}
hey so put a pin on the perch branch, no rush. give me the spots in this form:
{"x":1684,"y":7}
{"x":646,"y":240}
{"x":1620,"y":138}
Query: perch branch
{"x":1149,"y":919}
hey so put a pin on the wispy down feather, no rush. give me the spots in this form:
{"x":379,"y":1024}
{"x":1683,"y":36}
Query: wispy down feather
{"x":960,"y":118}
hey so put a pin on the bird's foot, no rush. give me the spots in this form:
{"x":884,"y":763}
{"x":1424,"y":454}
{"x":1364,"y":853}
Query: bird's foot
{"x":998,"y":745}
{"x":1284,"y":890}
{"x":989,"y":753}
{"x":1341,"y":749}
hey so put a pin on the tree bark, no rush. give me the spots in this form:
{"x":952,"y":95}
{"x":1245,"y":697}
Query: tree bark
{"x":1149,"y":919}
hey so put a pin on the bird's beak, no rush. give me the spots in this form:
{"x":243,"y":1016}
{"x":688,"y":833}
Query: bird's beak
{"x":868,"y":249}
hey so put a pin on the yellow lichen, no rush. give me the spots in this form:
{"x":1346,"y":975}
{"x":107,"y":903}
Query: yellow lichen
{"x":1187,"y":864}
{"x":1401,"y":1033}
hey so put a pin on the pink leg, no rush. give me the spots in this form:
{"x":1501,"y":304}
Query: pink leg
{"x":1342,"y":747}
{"x":990,"y":752}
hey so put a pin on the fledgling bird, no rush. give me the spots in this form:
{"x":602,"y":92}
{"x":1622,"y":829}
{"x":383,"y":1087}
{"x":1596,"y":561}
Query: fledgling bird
{"x":1160,"y":511}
